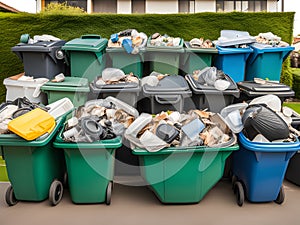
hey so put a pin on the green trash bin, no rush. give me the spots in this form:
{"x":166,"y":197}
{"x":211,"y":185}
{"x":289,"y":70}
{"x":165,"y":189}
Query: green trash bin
{"x":164,"y":59}
{"x":90,"y":168}
{"x":120,"y":59}
{"x":86,"y":56}
{"x":35,"y":169}
{"x":74,"y":88}
{"x":183,"y":174}
{"x":196,"y":58}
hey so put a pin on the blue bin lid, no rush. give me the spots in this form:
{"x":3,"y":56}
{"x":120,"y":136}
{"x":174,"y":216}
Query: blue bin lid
{"x":93,"y":43}
{"x":227,"y":50}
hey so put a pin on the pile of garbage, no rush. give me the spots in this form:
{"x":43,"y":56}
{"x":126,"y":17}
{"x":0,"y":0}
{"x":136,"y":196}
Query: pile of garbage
{"x":262,"y":120}
{"x":173,"y":129}
{"x":99,"y":119}
{"x":270,"y":39}
{"x":210,"y":76}
{"x":201,"y":43}
{"x":115,"y":76}
{"x":153,"y":78}
{"x":25,"y":38}
{"x":164,"y":40}
{"x":130,"y":39}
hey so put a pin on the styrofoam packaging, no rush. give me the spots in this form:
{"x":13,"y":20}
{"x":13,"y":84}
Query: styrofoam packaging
{"x":60,"y":107}
{"x":21,"y":88}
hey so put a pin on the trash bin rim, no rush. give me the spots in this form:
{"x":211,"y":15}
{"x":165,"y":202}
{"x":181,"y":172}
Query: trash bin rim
{"x":182,"y":150}
{"x":227,"y":51}
{"x":65,"y":88}
{"x":189,"y":49}
{"x":172,"y":49}
{"x":38,"y":46}
{"x":268,"y":147}
{"x":101,"y":46}
{"x":111,"y":89}
{"x":122,"y":50}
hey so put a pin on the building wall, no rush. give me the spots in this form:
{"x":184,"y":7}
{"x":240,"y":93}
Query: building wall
{"x":161,"y":6}
{"x":124,"y":6}
{"x":272,"y":6}
{"x":105,"y":6}
{"x":205,"y":6}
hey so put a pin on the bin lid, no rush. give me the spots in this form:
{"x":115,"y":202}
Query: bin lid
{"x":227,"y":50}
{"x":169,"y":84}
{"x":40,"y":46}
{"x":189,"y":48}
{"x":69,"y":84}
{"x":93,"y":43}
{"x":120,"y":87}
{"x":261,"y":48}
{"x":268,"y":88}
{"x":199,"y":88}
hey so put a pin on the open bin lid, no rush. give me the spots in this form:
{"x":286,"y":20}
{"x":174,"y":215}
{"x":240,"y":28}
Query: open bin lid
{"x":234,"y":37}
{"x":199,"y":88}
{"x":40,"y":46}
{"x":172,"y":84}
{"x":255,"y":89}
{"x":69,"y":84}
{"x":188,"y":48}
{"x":120,"y":87}
{"x":92,"y":43}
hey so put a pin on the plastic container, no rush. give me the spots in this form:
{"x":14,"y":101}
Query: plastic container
{"x":90,"y":168}
{"x":183,"y":175}
{"x":232,"y":61}
{"x":266,"y":61}
{"x":209,"y":97}
{"x":129,"y":63}
{"x":29,"y":89}
{"x":41,"y":59}
{"x":250,"y":90}
{"x":74,"y":88}
{"x":35,"y":169}
{"x":165,"y":60}
{"x":196,"y":58}
{"x":126,"y":92}
{"x":3,"y":171}
{"x":86,"y":56}
{"x":258,"y":170}
{"x":171,"y":93}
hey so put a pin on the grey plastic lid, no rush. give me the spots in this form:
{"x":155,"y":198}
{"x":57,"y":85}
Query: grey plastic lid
{"x":40,"y":46}
{"x":172,"y":84}
{"x":268,"y":87}
{"x":122,"y":87}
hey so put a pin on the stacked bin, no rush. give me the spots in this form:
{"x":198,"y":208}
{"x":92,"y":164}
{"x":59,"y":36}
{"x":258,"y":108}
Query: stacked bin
{"x":183,"y":174}
{"x":90,"y":168}
{"x":232,"y":61}
{"x":266,"y":61}
{"x":164,"y":59}
{"x":74,"y":88}
{"x":196,"y":58}
{"x":35,"y":169}
{"x":259,"y":168}
{"x":86,"y":56}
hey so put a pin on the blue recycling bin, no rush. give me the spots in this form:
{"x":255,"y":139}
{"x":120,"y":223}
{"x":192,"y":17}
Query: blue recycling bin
{"x":266,"y":61}
{"x":232,"y":61}
{"x":258,"y":169}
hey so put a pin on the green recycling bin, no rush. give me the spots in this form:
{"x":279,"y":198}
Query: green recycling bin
{"x":90,"y":168}
{"x":183,"y":174}
{"x":129,"y":63}
{"x":85,"y":56}
{"x":196,"y":58}
{"x":164,"y":59}
{"x":35,"y":169}
{"x":74,"y":88}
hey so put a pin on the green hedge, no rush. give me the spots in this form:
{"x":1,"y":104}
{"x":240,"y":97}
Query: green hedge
{"x":187,"y":26}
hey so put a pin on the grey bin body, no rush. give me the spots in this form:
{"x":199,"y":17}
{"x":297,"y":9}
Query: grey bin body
{"x":40,"y":59}
{"x":171,"y":93}
{"x":208,"y":97}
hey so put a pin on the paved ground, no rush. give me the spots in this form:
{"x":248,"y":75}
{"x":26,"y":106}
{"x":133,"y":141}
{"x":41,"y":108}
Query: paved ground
{"x":138,"y":205}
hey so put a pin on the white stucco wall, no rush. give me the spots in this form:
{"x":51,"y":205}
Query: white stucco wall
{"x":205,"y":6}
{"x":272,"y":6}
{"x":124,"y":6}
{"x":22,"y":5}
{"x":162,"y":6}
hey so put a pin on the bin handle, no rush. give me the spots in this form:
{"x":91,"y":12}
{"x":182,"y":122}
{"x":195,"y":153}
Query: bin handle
{"x":167,"y":99}
{"x":91,"y":36}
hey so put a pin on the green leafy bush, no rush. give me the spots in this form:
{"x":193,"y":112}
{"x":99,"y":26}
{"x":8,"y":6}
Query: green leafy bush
{"x":61,"y":8}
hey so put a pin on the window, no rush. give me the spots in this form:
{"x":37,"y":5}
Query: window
{"x":241,"y":5}
{"x":138,"y":6}
{"x":186,"y":6}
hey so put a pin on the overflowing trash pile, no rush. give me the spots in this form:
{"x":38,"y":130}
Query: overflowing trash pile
{"x":201,"y":43}
{"x":98,"y":120}
{"x":270,"y":39}
{"x":25,"y":38}
{"x":153,"y":78}
{"x":173,"y":129}
{"x":130,"y":39}
{"x":164,"y":40}
{"x":115,"y":76}
{"x":210,"y":76}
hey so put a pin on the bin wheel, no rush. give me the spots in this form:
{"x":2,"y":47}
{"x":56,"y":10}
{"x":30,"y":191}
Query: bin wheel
{"x":280,"y":198}
{"x":108,"y":193}
{"x":239,"y":193}
{"x":56,"y":192}
{"x":10,"y":196}
{"x":233,"y":180}
{"x":65,"y":181}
